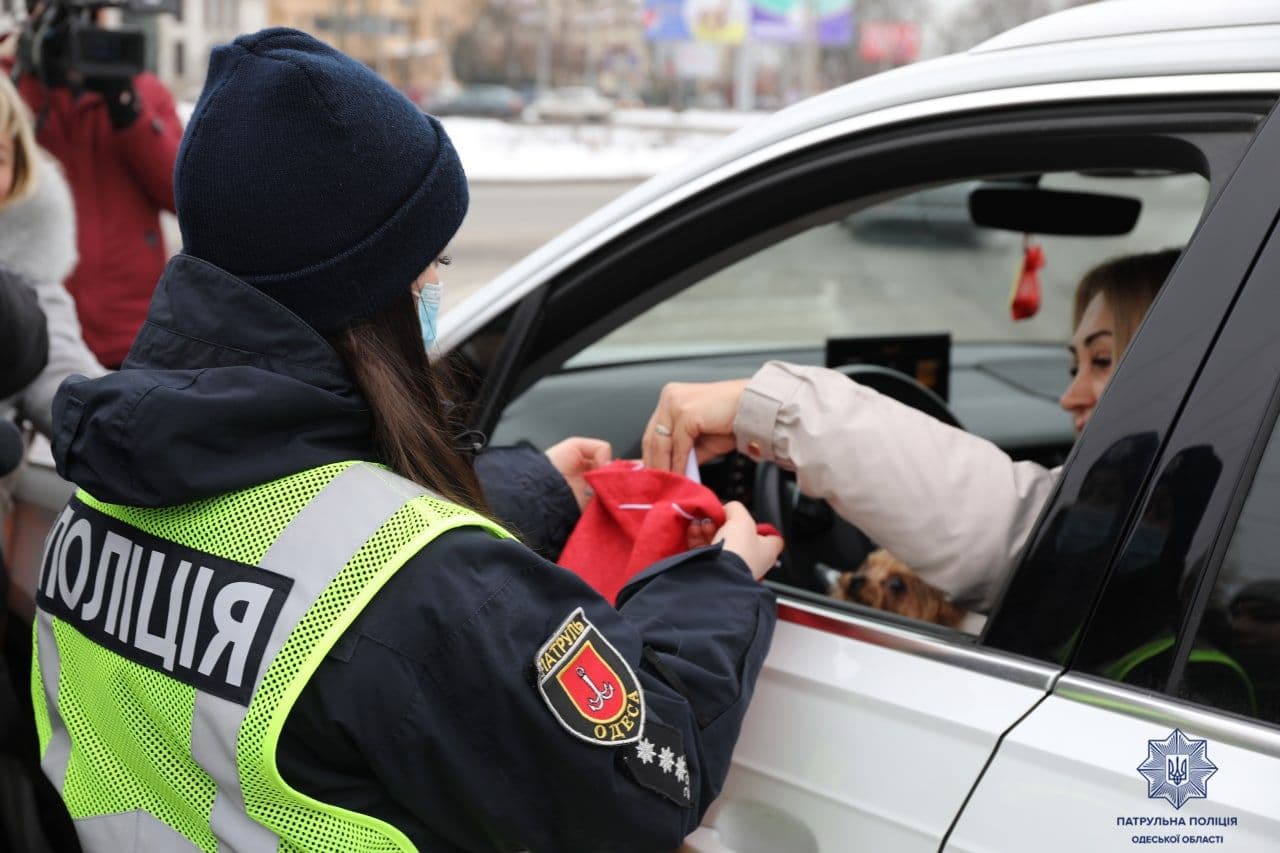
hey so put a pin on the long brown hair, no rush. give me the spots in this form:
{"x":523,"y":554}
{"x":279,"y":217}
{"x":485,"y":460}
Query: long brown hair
{"x":415,"y":412}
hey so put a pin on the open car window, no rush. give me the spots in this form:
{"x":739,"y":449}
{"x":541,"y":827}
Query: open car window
{"x":867,"y":253}
{"x":908,"y":281}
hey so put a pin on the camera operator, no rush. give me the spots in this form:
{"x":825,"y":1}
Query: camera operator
{"x":114,"y":129}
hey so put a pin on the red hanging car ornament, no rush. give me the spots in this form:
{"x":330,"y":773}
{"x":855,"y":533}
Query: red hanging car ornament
{"x":1025,"y":300}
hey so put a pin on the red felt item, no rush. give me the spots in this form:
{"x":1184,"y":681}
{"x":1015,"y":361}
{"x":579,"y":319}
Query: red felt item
{"x":1025,"y":301}
{"x":638,"y":516}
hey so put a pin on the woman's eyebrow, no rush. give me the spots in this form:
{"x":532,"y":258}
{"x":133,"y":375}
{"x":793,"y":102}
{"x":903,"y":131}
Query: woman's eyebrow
{"x":1098,"y":334}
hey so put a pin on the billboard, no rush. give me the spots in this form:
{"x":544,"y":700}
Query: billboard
{"x":835,"y":22}
{"x":778,"y":21}
{"x":890,"y":42}
{"x":664,"y":21}
{"x":718,"y":21}
{"x":787,"y":21}
{"x":711,"y":21}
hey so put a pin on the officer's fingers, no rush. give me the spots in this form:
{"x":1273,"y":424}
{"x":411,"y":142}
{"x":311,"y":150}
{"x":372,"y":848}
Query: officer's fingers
{"x":700,"y":533}
{"x":596,"y":452}
{"x":765,"y":556}
{"x":737,"y":523}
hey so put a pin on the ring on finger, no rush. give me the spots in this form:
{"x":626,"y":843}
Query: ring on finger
{"x":661,"y":430}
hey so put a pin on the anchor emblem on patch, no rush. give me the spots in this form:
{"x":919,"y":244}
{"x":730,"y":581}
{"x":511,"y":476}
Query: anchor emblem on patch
{"x":588,"y":686}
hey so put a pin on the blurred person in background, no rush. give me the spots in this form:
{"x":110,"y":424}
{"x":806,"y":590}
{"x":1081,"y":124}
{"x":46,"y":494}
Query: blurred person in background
{"x":116,"y":138}
{"x":23,"y":342}
{"x":38,"y":243}
{"x":25,"y":796}
{"x":37,"y":247}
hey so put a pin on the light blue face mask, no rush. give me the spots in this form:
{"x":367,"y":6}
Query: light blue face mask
{"x":428,"y":309}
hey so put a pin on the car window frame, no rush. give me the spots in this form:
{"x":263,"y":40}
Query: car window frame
{"x":1202,"y":129}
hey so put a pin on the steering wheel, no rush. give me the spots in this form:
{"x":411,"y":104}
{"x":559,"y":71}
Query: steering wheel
{"x":817,"y":538}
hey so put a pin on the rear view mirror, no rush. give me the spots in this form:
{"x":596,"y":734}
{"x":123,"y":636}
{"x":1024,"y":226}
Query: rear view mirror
{"x":1032,"y":210}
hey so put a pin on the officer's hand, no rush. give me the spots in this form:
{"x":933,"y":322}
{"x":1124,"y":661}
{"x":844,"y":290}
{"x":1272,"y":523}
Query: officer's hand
{"x":574,"y":457}
{"x":739,"y":536}
{"x":691,"y":416}
{"x":700,"y":533}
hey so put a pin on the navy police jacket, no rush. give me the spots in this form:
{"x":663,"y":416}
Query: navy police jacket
{"x":428,"y":712}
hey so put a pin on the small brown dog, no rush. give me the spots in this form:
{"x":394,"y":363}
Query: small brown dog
{"x":886,"y":582}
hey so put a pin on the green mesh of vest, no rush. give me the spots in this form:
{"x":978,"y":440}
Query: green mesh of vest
{"x":121,"y":757}
{"x":302,"y":823}
{"x":132,"y":740}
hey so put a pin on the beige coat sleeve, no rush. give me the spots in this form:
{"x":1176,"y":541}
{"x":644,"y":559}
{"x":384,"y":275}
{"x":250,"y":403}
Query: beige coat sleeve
{"x":951,"y":505}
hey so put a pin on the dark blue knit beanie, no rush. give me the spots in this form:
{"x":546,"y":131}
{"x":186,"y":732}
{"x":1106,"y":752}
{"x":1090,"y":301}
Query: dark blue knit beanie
{"x":306,"y":175}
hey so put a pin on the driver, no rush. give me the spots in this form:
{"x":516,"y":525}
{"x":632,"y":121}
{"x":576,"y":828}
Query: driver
{"x":952,"y":505}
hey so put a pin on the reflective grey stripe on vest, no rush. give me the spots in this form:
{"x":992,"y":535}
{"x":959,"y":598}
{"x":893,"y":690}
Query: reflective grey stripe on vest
{"x":58,"y":752}
{"x":311,"y":550}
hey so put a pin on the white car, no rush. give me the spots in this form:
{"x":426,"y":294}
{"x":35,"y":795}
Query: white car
{"x":1109,"y":702}
{"x":570,"y":104}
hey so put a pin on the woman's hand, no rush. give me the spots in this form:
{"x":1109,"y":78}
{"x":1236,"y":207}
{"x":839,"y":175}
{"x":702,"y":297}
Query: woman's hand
{"x":739,"y":536}
{"x":574,"y":457}
{"x":691,"y":416}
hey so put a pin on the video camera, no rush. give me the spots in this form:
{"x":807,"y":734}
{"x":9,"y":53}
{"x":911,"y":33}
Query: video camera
{"x":61,"y":44}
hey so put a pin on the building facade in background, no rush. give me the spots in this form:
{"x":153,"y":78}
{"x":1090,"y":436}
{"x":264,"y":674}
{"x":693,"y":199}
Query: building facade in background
{"x":406,"y":41}
{"x":180,"y":44}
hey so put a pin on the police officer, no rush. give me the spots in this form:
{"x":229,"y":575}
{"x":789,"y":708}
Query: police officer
{"x":275,"y":616}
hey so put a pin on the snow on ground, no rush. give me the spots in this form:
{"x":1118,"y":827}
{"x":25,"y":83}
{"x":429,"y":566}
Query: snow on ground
{"x":500,"y":151}
{"x":637,"y":144}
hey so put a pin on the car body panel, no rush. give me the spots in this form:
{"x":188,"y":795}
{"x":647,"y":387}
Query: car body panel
{"x":844,"y":740}
{"x":1066,"y":779}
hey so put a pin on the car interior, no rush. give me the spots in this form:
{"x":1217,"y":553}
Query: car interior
{"x":892,"y":261}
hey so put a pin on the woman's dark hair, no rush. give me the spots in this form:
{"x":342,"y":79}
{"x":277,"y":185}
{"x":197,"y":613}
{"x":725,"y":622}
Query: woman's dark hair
{"x":411,"y":402}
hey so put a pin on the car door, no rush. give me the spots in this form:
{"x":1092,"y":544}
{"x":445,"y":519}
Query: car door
{"x":1165,"y":730}
{"x":866,"y":731}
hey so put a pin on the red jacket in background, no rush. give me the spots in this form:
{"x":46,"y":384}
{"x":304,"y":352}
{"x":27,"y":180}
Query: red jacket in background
{"x":120,"y":181}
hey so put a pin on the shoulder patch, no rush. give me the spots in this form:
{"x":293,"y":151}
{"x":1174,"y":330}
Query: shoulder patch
{"x":588,"y":686}
{"x":658,"y":763}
